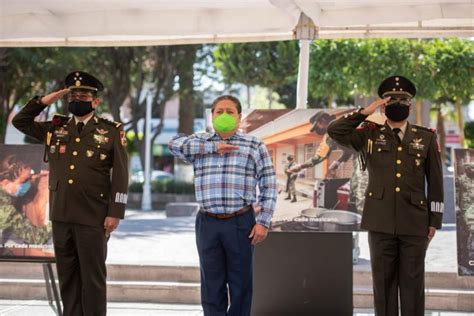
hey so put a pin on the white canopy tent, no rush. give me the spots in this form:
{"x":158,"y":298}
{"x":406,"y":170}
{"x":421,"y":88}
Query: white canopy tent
{"x":34,"y":23}
{"x":161,"y":22}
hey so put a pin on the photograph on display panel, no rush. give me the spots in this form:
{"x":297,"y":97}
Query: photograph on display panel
{"x":464,"y":199}
{"x":321,"y":186}
{"x":24,"y":204}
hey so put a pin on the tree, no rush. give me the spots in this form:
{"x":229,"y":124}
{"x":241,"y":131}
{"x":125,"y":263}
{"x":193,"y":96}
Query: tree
{"x":253,"y":64}
{"x":330,"y":75}
{"x":185,"y":72}
{"x":454,"y":60}
{"x":154,"y":72}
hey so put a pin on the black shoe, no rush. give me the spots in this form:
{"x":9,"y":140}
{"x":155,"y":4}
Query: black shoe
{"x":294,"y":200}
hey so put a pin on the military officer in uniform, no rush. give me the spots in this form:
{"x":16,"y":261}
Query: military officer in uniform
{"x":88,"y":184}
{"x":400,"y":217}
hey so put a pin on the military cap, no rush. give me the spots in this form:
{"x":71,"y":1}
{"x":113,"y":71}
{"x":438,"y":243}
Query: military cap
{"x":320,"y":121}
{"x":397,"y":86}
{"x":83,"y":80}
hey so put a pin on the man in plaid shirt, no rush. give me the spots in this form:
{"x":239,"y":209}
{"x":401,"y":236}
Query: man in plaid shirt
{"x":228,"y":167}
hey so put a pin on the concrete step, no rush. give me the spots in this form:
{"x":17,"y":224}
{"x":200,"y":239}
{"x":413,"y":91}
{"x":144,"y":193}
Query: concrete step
{"x":438,"y":280}
{"x":459,"y":300}
{"x":180,"y":285}
{"x":115,"y":272}
{"x":189,"y":293}
{"x":118,"y":272}
{"x":123,"y":291}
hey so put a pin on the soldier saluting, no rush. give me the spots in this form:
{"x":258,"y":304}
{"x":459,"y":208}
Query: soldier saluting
{"x":400,"y":217}
{"x":88,"y":185}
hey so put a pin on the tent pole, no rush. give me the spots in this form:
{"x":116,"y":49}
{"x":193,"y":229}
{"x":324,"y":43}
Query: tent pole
{"x":306,"y":32}
{"x":303,"y":71}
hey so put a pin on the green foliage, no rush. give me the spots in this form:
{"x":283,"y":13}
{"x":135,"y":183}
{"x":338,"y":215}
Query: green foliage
{"x":272,"y":65}
{"x":454,"y":62}
{"x":330,"y":68}
{"x":469,"y":134}
{"x":341,"y":68}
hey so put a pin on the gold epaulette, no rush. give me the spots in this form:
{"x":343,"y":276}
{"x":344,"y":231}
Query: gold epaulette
{"x":429,"y":129}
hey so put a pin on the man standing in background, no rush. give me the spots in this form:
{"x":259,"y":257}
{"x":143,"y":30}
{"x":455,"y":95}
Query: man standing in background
{"x":291,"y":179}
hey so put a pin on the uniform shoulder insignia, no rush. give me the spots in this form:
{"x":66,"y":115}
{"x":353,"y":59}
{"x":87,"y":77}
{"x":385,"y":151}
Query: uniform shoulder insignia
{"x":429,"y":129}
{"x":368,"y":125}
{"x":106,"y":121}
{"x":59,"y":119}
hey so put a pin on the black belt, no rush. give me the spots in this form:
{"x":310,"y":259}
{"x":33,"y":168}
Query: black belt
{"x":231,"y":215}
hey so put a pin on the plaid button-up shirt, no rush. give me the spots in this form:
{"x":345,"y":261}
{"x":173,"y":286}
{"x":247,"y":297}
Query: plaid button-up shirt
{"x":226,"y":183}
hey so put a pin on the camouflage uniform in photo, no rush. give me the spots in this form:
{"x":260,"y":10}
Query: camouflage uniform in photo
{"x":466,"y":202}
{"x":359,"y":182}
{"x":13,"y":222}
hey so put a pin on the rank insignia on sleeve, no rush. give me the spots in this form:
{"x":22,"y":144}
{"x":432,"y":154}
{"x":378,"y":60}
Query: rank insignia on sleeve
{"x":121,"y":198}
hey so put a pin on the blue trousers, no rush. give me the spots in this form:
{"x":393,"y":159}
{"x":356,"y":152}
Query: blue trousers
{"x":226,"y":262}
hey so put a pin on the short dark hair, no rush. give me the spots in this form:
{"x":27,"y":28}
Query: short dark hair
{"x":227,"y":97}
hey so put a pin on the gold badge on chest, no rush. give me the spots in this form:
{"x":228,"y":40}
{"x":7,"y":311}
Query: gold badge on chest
{"x":100,"y":139}
{"x":89,"y":153}
{"x":101,"y":131}
{"x":416,"y":144}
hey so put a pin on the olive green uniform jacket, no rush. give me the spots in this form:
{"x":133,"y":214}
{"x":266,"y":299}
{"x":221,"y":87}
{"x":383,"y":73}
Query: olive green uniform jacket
{"x":405,"y":190}
{"x":88,"y":177}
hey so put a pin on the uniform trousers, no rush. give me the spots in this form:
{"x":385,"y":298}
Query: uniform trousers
{"x":80,"y":252}
{"x":398,"y":268}
{"x":226,"y":264}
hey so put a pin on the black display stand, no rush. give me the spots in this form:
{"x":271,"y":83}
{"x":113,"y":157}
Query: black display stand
{"x":303,"y":274}
{"x":49,"y":279}
{"x":51,"y":287}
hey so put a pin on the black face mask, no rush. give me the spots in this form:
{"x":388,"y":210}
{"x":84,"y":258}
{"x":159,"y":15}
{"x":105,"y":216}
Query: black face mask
{"x":397,"y":112}
{"x":80,"y":108}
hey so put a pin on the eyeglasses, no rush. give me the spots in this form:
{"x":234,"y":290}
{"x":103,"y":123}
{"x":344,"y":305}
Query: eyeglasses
{"x":82,"y":96}
{"x":406,"y":102}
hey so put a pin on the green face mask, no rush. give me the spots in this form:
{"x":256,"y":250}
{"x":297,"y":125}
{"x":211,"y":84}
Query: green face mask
{"x":224,"y":123}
